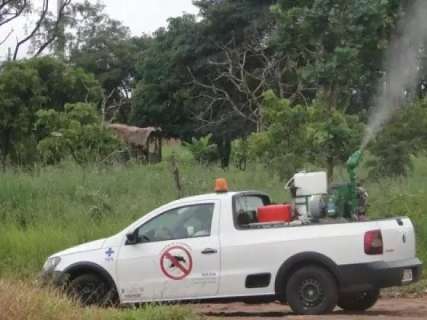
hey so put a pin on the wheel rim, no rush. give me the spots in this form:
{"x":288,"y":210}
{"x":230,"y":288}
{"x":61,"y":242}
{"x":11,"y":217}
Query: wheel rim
{"x":362,"y":296}
{"x":311,"y":293}
{"x":89,"y":293}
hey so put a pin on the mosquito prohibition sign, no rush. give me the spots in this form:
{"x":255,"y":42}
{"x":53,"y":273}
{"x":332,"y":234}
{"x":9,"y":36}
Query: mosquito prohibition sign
{"x":176,"y":263}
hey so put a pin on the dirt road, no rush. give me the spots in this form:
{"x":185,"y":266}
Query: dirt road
{"x":398,"y":308}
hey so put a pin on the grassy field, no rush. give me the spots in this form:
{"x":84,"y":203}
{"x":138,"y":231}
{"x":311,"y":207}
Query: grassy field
{"x":21,"y":301}
{"x":404,"y":197}
{"x":53,"y":208}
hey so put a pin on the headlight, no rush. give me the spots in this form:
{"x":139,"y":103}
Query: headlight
{"x":51,"y":263}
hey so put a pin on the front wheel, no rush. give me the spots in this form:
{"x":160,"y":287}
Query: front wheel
{"x":311,"y":290}
{"x":358,"y":301}
{"x":90,"y":289}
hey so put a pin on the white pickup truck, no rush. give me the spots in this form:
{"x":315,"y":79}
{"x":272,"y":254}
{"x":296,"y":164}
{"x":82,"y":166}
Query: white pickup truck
{"x":210,"y":247}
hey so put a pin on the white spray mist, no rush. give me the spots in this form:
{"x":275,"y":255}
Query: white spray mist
{"x":401,"y":68}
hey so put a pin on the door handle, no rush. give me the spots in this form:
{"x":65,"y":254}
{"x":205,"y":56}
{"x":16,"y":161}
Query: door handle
{"x":209,"y":251}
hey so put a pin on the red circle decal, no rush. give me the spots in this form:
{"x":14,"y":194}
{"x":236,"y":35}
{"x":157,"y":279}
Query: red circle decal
{"x":176,"y":263}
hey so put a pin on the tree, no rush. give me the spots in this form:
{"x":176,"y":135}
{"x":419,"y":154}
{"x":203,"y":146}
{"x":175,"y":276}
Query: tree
{"x":283,"y":145}
{"x":64,"y":83}
{"x":404,"y":137}
{"x":239,"y":79}
{"x":162,"y":95}
{"x":76,"y":132}
{"x":28,"y":86}
{"x":298,"y":136}
{"x":100,"y":45}
{"x":235,"y":19}
{"x":12,"y":9}
{"x":51,"y":33}
{"x":333,"y":49}
{"x":103,"y":46}
{"x":185,"y":84}
{"x":332,"y":135}
{"x":234,"y":69}
{"x":21,"y":95}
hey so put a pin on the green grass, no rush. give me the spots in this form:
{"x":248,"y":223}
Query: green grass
{"x":57,"y":207}
{"x":54,"y":208}
{"x":390,"y":197}
{"x":21,"y":301}
{"x":397,"y":197}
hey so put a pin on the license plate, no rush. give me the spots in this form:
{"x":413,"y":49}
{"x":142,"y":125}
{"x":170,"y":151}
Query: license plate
{"x":407,"y":275}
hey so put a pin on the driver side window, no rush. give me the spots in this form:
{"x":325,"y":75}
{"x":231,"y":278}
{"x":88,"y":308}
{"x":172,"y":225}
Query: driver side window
{"x":185,"y":222}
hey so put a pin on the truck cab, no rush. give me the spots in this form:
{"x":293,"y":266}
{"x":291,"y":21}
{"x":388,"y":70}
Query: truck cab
{"x":212,"y":246}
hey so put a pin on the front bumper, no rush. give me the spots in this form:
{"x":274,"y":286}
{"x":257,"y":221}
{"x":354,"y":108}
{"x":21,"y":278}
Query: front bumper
{"x":53,"y":278}
{"x":377,"y":275}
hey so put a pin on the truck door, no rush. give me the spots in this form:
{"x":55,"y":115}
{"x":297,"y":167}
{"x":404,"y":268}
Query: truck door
{"x":176,"y":256}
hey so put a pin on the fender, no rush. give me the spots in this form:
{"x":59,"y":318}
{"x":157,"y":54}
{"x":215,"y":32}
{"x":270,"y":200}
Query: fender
{"x":90,"y":267}
{"x":300,"y":260}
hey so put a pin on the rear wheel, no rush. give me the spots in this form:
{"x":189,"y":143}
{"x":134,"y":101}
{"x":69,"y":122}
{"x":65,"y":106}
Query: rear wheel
{"x":358,"y":301}
{"x":90,"y":289}
{"x":311,"y":290}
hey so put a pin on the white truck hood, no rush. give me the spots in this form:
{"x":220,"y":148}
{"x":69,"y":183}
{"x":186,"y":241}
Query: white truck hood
{"x":88,"y":246}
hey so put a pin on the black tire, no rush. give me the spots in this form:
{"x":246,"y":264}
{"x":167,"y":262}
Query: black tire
{"x":358,"y":301}
{"x":311,"y":290}
{"x":90,"y":289}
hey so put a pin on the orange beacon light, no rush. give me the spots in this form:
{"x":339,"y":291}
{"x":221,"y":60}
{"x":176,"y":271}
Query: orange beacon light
{"x":221,"y":185}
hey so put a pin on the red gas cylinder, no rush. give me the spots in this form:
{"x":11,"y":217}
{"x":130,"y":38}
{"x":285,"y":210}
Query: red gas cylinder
{"x":275,"y":213}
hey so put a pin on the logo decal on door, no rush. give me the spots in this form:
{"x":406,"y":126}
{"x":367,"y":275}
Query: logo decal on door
{"x":176,"y":262}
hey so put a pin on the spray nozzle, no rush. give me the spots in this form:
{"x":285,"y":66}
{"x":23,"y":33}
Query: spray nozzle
{"x":352,"y":163}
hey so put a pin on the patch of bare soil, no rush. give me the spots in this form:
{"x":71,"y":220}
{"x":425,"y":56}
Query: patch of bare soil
{"x":398,"y":308}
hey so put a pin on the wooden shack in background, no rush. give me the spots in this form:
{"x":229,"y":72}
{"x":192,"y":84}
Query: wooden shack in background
{"x":144,"y":143}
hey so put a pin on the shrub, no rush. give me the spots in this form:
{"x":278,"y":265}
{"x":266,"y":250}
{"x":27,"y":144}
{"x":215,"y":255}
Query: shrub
{"x":402,"y":139}
{"x":203,"y":150}
{"x":77,"y":133}
{"x":240,"y":153}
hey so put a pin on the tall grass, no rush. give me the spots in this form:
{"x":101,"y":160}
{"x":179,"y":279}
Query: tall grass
{"x":53,"y":208}
{"x":404,"y":196}
{"x":21,"y":301}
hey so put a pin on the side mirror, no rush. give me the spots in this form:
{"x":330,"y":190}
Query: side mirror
{"x":131,"y":238}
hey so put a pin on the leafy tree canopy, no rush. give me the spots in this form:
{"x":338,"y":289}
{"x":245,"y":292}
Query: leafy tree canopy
{"x":404,"y":137}
{"x":163,"y":92}
{"x":182,"y":87}
{"x":31,"y":85}
{"x":333,"y":47}
{"x":296,"y":136}
{"x":76,"y":132}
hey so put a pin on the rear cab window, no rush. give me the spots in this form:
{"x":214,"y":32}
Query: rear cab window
{"x":245,"y":207}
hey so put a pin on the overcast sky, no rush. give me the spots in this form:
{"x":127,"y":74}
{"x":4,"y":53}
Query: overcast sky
{"x":147,"y":15}
{"x":142,"y":16}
